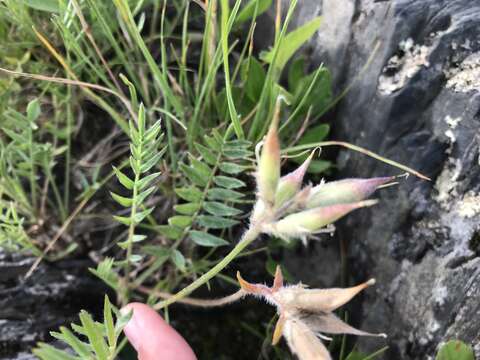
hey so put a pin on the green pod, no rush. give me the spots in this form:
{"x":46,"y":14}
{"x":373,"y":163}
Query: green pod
{"x":344,"y":191}
{"x":268,"y":172}
{"x":310,"y":221}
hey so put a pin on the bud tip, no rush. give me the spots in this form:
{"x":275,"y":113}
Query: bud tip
{"x":368,"y":203}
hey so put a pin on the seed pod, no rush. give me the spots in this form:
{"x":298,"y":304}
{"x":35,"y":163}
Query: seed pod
{"x":344,"y":191}
{"x":309,"y":221}
{"x":327,"y":300}
{"x":290,"y":184}
{"x":269,"y":164}
{"x":303,"y":342}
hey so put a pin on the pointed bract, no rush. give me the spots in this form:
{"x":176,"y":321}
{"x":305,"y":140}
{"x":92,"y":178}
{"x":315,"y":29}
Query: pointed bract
{"x":277,"y":333}
{"x":278,"y":280}
{"x":291,"y":183}
{"x":253,"y":289}
{"x":330,"y":324}
{"x":344,"y":191}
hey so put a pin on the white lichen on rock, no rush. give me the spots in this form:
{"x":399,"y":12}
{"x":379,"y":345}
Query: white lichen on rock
{"x":449,"y":133}
{"x":452,"y":122}
{"x":439,"y":295}
{"x":451,"y":136}
{"x":470,"y":205}
{"x":404,"y":67}
{"x":447,"y":182}
{"x":466,"y":77}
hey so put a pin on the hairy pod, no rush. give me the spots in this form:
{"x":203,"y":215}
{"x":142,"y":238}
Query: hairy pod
{"x":326,"y":300}
{"x":303,"y":342}
{"x":268,"y":172}
{"x":309,"y":221}
{"x":344,"y":191}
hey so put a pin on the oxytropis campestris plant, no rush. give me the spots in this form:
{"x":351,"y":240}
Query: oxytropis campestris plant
{"x":286,"y":209}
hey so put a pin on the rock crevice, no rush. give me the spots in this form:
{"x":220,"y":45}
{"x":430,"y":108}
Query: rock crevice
{"x":417,"y":103}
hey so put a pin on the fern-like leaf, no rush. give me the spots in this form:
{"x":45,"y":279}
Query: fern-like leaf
{"x":145,"y":153}
{"x":211,"y":193}
{"x":101,"y":338}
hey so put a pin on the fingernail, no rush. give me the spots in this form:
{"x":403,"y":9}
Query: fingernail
{"x":132,"y":330}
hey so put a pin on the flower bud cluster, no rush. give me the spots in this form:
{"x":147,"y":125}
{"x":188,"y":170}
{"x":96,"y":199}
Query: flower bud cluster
{"x":287,"y":210}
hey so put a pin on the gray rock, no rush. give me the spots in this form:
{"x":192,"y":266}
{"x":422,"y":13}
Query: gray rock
{"x":417,"y":103}
{"x":51,"y":297}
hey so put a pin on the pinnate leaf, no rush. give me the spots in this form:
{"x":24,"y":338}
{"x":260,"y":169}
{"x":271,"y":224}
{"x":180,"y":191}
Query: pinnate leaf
{"x":228,"y":182}
{"x":205,"y":239}
{"x":178,"y":260}
{"x":190,"y":193}
{"x":124,"y":179}
{"x":215,"y":222}
{"x":224,"y":194}
{"x":220,"y":209}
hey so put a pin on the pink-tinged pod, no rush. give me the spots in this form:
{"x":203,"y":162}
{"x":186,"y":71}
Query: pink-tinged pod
{"x":268,"y":172}
{"x":344,"y":191}
{"x":310,"y":221}
{"x":290,"y":184}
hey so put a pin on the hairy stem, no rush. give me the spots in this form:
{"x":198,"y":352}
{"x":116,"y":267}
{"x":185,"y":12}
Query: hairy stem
{"x":194,"y":301}
{"x":248,"y":237}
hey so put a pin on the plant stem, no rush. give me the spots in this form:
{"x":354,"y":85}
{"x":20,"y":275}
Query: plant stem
{"x":68,"y":153}
{"x":131,"y":231}
{"x":205,"y":303}
{"x":357,"y":149}
{"x":248,"y":237}
{"x":33,"y":190}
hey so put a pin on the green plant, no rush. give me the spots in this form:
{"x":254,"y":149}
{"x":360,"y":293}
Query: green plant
{"x":27,"y":176}
{"x":102,"y":338}
{"x":191,"y":105}
{"x":455,"y":350}
{"x":13,"y":236}
{"x":145,"y":155}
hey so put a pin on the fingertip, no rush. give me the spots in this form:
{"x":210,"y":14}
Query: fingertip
{"x":152,"y":337}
